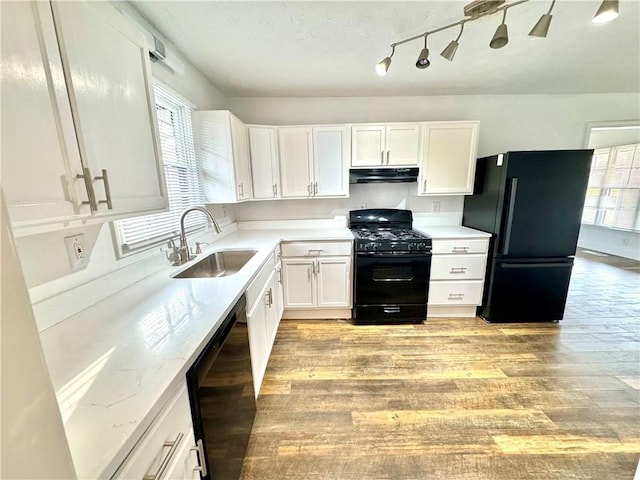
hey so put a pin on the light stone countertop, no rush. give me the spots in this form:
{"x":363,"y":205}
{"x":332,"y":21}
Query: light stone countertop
{"x":442,"y":232}
{"x":115,"y":364}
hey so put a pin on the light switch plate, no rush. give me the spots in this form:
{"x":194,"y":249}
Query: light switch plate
{"x":78,"y":257}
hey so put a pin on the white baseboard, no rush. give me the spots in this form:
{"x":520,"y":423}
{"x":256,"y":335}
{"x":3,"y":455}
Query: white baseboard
{"x":318,"y":313}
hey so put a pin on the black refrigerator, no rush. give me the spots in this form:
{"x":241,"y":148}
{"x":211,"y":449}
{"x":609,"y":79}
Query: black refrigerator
{"x":531,"y":203}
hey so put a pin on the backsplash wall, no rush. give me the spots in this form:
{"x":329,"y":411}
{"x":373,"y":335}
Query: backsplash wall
{"x":374,"y":195}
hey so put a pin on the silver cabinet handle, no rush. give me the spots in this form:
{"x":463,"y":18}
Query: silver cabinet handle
{"x":172,"y":446}
{"x":318,"y":267}
{"x":315,"y":188}
{"x":309,"y":188}
{"x":382,"y":158}
{"x":201,"y":460}
{"x":271,"y":297}
{"x":460,"y":249}
{"x":107,"y":191}
{"x":424,"y":185}
{"x":317,"y":250}
{"x":456,"y":296}
{"x":280,"y":275}
{"x":88,"y":185}
{"x":387,"y":157}
{"x":268,"y":295}
{"x":458,"y":270}
{"x":275,"y":189}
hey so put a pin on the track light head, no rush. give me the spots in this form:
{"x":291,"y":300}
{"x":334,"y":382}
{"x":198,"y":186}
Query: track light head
{"x":450,"y":50}
{"x":541,"y":28}
{"x":382,"y":66}
{"x":423,"y":59}
{"x":608,"y":11}
{"x":501,"y":37}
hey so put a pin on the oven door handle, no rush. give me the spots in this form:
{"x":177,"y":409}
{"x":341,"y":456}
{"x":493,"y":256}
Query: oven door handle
{"x":410,"y":279}
{"x":393,"y":254}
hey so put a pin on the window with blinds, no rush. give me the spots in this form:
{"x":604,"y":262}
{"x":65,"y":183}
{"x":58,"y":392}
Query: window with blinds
{"x":613,"y":194}
{"x":182,"y":176}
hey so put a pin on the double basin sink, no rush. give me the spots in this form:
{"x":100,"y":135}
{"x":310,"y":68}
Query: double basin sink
{"x":218,"y":264}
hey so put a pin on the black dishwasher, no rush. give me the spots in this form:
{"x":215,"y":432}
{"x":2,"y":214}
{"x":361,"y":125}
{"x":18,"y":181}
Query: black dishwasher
{"x":222,"y":398}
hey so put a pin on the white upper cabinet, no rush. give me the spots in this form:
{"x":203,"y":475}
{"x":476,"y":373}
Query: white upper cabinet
{"x":330,"y":164}
{"x":223,"y":144}
{"x":385,"y":145}
{"x":313,"y":161}
{"x":296,"y":168}
{"x":77,"y":74}
{"x":106,"y":65}
{"x":448,"y":158}
{"x":265,"y":168}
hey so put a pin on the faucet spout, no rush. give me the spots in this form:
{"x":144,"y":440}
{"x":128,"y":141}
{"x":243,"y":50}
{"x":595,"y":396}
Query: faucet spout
{"x":183,"y":250}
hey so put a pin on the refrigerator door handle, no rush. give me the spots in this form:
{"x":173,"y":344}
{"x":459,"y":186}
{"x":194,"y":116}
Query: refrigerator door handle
{"x":536,"y":265}
{"x":511,"y":208}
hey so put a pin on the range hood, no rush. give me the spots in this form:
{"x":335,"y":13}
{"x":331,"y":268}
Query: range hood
{"x":383,"y":175}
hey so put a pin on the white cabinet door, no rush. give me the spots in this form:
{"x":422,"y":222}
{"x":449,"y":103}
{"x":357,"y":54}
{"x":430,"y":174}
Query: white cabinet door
{"x":334,"y":282}
{"x":108,"y":77}
{"x":299,"y":282}
{"x":448,"y":158}
{"x":296,"y":154}
{"x":258,"y":345}
{"x":40,"y":158}
{"x":367,"y":145}
{"x":241,"y":161}
{"x":264,"y":162}
{"x":223,"y":146}
{"x":329,"y":160}
{"x":403,"y":143}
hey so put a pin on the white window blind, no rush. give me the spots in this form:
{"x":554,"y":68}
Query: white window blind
{"x":182,"y":175}
{"x":613,"y":194}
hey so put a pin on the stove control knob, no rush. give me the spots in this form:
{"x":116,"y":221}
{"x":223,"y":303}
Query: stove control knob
{"x":370,"y":246}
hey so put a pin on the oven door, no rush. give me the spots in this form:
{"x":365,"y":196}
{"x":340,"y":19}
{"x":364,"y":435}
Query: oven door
{"x":392,"y":278}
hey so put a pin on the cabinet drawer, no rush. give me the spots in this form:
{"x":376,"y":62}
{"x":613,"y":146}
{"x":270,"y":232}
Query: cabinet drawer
{"x":255,"y":288}
{"x":457,"y":267}
{"x":162,"y":442}
{"x":316,"y":249}
{"x":455,"y":293}
{"x":463,"y":245}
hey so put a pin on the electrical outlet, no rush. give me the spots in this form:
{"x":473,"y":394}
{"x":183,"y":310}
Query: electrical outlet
{"x":76,"y":251}
{"x":435,"y":206}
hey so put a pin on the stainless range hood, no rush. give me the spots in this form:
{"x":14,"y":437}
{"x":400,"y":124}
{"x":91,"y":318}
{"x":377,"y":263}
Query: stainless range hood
{"x":383,"y":175}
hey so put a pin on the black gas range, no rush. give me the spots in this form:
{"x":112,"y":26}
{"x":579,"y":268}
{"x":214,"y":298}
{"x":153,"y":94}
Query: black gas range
{"x":392,"y":267}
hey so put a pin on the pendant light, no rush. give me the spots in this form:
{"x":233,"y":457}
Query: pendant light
{"x":423,"y":59}
{"x":608,"y":11}
{"x":450,"y":50}
{"x":501,"y":37}
{"x":541,"y":28}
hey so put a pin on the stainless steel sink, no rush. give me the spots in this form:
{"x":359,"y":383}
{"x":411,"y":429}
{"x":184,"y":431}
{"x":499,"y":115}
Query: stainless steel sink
{"x":218,"y":264}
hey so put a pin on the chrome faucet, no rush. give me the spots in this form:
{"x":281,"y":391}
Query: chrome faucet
{"x":182,"y":254}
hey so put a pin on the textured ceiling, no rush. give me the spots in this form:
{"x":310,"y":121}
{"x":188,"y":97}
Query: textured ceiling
{"x":314,"y":48}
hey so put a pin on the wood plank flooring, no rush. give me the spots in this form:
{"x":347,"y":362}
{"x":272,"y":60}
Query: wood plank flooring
{"x":459,"y":398}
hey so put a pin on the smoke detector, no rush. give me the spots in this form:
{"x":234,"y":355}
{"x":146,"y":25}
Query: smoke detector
{"x":478,"y":7}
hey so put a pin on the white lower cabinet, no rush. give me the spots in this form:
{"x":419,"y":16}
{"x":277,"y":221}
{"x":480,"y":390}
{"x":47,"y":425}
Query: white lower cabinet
{"x":263,"y":317}
{"x":457,"y":276}
{"x":167,"y":450}
{"x":317,"y":275}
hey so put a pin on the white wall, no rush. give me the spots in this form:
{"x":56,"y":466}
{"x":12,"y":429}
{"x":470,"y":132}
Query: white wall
{"x":507,"y":122}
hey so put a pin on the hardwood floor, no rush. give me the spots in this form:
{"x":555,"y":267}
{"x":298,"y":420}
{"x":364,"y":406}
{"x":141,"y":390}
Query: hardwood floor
{"x":460,"y":398}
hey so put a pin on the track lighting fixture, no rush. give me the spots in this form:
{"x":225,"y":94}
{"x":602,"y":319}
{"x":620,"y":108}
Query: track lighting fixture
{"x":383,"y":65}
{"x":608,"y":11}
{"x":423,"y":59}
{"x":541,"y":28}
{"x":501,"y":37}
{"x":450,"y":50}
{"x":480,"y":8}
